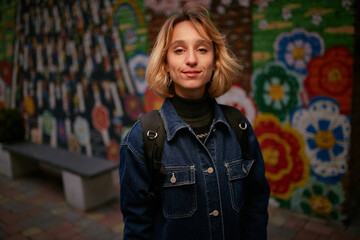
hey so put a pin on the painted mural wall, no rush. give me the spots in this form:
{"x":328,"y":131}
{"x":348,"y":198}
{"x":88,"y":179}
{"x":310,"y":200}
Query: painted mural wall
{"x":7,"y":37}
{"x":80,"y":66}
{"x":302,"y":84}
{"x":78,"y":77}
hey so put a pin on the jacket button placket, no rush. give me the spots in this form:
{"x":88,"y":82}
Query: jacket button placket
{"x":212,"y":189}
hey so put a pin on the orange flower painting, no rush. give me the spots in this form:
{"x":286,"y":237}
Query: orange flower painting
{"x":286,"y":164}
{"x":332,"y":75}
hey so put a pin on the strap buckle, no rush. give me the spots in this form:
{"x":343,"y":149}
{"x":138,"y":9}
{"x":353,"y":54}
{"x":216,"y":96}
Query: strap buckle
{"x":151,"y":134}
{"x":243,"y":125}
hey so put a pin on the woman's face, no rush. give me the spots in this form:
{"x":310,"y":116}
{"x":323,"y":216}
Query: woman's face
{"x":190,"y":61}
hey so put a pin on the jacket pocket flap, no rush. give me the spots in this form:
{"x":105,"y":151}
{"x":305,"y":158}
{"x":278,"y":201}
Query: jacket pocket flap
{"x":238,"y":169}
{"x":178,"y":176}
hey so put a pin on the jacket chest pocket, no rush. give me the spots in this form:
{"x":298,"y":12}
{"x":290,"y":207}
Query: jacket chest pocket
{"x":236,"y":172}
{"x":179,"y":192}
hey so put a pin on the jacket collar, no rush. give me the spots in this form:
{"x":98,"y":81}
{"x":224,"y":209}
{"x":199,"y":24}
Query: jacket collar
{"x":173,"y":123}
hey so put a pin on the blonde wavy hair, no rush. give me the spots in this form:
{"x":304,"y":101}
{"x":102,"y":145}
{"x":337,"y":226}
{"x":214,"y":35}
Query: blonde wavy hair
{"x":226,"y":65}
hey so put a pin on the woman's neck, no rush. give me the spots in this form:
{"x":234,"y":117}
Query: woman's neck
{"x":189,"y":108}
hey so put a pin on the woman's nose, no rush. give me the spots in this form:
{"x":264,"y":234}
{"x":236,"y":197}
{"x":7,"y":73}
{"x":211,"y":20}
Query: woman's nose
{"x":191,"y":59}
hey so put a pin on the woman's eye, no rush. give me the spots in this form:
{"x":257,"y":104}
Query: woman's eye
{"x":202,"y":50}
{"x":179,"y":50}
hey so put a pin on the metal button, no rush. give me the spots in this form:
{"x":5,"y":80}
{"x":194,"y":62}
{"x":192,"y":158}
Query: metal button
{"x":173,"y":178}
{"x":210,"y":170}
{"x":244,"y":169}
{"x":215,"y":213}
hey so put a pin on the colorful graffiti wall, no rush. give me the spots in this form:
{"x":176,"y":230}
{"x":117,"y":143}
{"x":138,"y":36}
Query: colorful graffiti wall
{"x":81,"y":72}
{"x":78,"y":77}
{"x":7,"y":38}
{"x":81,"y":64}
{"x":302,"y":84}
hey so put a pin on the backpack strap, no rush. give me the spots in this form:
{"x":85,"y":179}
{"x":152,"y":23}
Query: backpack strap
{"x":154,"y":135}
{"x":239,"y":125}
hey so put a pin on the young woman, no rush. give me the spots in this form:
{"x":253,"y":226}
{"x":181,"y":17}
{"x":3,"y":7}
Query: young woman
{"x":210,"y":191}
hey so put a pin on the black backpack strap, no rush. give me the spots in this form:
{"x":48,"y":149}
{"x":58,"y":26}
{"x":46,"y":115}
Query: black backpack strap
{"x":239,"y":125}
{"x":154,"y":136}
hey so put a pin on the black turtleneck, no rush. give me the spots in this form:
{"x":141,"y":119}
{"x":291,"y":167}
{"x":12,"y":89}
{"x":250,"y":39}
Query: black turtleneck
{"x":198,"y":114}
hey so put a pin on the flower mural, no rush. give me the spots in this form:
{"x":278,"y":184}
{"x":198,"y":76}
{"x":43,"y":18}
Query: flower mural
{"x":48,"y":124}
{"x":61,"y":130}
{"x":137,"y":65}
{"x":29,"y":105}
{"x":332,"y":75}
{"x":238,"y":98}
{"x":152,"y":101}
{"x":170,"y":6}
{"x":36,"y":135}
{"x":73,"y":143}
{"x":6,"y":71}
{"x":276,"y":90}
{"x":326,"y":133}
{"x":319,"y":199}
{"x":286,"y":163}
{"x":82,"y":130}
{"x":133,"y":106}
{"x":113,"y":151}
{"x":297,"y":48}
{"x":100,"y":117}
{"x":2,"y":93}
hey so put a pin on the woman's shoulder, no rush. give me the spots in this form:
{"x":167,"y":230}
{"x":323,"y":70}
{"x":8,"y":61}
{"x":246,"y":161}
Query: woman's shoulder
{"x":134,"y":138}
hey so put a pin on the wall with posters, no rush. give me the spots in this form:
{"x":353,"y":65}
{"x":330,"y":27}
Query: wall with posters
{"x":302,"y":85}
{"x":78,"y":76}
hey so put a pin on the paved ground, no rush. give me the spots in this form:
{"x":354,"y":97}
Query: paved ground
{"x":34,"y":208}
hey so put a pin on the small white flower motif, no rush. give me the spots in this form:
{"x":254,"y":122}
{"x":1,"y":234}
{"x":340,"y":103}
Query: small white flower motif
{"x":263,"y":24}
{"x":286,"y":14}
{"x":316,"y":19}
{"x":346,"y":4}
{"x":220,"y":10}
{"x":262,"y":4}
{"x":244,"y":3}
{"x":226,"y":2}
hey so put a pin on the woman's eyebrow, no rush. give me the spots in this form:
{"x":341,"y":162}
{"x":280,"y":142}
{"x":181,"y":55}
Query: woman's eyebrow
{"x":198,"y":42}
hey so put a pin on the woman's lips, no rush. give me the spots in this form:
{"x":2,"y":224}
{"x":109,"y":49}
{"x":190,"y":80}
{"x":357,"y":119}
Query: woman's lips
{"x":191,"y":74}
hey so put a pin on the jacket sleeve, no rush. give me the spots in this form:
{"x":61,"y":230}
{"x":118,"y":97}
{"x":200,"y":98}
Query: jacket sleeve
{"x":136,"y":207}
{"x":257,"y":193}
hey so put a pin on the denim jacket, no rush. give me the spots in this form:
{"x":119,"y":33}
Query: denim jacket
{"x":209,"y":192}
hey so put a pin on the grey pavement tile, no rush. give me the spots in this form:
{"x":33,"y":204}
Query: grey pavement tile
{"x":27,"y":188}
{"x":107,"y":235}
{"x":4,"y":181}
{"x":83,"y":222}
{"x":106,"y":209}
{"x":16,"y":207}
{"x":71,"y":216}
{"x":280,"y":233}
{"x":42,"y":220}
{"x":95,"y":231}
{"x":50,"y":206}
{"x":49,"y":223}
{"x":27,"y":222}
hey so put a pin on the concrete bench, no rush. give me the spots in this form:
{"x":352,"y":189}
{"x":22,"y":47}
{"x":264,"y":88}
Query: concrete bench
{"x":87,"y":181}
